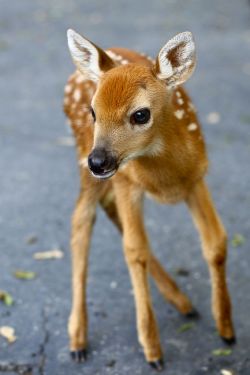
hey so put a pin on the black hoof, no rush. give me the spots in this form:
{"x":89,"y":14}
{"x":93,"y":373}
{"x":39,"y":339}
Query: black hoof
{"x":230,"y":341}
{"x":157,"y":365}
{"x":193,"y":314}
{"x":79,"y":355}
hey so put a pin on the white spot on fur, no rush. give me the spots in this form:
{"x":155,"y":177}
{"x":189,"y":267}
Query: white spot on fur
{"x":68,"y":88}
{"x":147,"y":57}
{"x":179,"y":114}
{"x":178,"y":94}
{"x":192,"y":127}
{"x":80,"y":79}
{"x":191,"y":107}
{"x":77,"y":95}
{"x":113,"y":55}
{"x":117,"y":58}
{"x":180,"y":101}
{"x":151,"y":59}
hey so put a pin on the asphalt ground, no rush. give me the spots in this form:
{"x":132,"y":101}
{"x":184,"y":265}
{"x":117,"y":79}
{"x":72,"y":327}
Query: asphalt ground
{"x":39,"y":185}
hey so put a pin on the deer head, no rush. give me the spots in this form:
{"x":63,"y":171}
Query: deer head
{"x":130,"y":104}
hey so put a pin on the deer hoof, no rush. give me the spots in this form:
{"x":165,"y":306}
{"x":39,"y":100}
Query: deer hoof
{"x":229,"y":341}
{"x":193,"y":314}
{"x":157,"y":365}
{"x":79,"y":356}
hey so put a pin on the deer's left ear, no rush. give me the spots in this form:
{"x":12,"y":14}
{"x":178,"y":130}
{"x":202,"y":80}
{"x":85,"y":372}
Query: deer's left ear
{"x":176,"y":60}
{"x":91,"y":60}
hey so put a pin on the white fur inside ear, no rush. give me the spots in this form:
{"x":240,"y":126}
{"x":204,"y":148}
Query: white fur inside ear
{"x":84,"y":54}
{"x":177,"y":59}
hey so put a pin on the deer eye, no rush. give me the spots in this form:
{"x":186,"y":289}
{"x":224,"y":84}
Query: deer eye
{"x":92,"y":113}
{"x":140,"y":117}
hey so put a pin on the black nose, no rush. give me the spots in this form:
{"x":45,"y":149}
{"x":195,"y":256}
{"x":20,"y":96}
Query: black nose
{"x":101,"y":161}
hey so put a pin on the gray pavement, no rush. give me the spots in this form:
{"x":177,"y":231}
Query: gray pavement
{"x":39,"y":184}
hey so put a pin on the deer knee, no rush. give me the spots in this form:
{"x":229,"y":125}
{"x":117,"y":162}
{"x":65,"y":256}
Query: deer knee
{"x":216,"y":252}
{"x":136,"y":255}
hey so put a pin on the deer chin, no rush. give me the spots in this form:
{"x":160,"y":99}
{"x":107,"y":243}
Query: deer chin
{"x":105,"y":174}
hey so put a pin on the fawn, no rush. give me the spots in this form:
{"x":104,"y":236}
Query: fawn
{"x":134,"y":122}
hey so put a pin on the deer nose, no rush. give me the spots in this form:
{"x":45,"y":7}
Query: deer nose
{"x":101,"y":161}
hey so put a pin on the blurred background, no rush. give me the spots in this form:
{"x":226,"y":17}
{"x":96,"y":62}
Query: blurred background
{"x":39,"y":185}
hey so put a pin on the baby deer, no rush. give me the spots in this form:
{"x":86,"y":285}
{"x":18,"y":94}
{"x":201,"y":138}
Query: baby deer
{"x":134,"y":122}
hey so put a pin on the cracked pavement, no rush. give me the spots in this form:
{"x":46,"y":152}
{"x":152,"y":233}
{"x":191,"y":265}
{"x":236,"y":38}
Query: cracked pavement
{"x":39,"y":185}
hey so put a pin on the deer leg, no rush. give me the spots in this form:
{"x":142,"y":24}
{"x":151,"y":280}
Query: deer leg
{"x":82,"y":223}
{"x":169,"y":289}
{"x":214,"y":244}
{"x":166,"y":285}
{"x":136,"y":249}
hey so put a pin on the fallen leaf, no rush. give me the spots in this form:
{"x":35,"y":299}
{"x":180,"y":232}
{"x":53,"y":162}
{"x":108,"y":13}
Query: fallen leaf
{"x":6,"y":298}
{"x":65,"y":141}
{"x":226,"y":372}
{"x":213,"y":118}
{"x":51,"y":254}
{"x":8,"y":333}
{"x":222,"y":352}
{"x":31,"y":239}
{"x":238,"y":240}
{"x":185,"y":327}
{"x":24,"y":275}
{"x":113,"y":285}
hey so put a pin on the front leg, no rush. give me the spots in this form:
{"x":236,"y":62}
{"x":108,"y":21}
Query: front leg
{"x":82,"y":224}
{"x":137,"y":254}
{"x":214,"y":243}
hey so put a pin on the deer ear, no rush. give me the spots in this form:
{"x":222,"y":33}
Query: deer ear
{"x":176,"y":60}
{"x":91,"y":60}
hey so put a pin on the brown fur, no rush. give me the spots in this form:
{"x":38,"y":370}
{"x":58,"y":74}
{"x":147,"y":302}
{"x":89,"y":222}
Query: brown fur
{"x":172,"y":169}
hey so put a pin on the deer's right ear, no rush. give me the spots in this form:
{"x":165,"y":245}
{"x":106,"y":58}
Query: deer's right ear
{"x":91,"y":60}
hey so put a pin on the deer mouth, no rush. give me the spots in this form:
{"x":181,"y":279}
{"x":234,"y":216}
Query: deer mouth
{"x":104,"y":174}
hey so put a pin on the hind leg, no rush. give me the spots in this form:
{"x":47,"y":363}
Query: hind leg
{"x":214,"y":244}
{"x":166,"y":285}
{"x":82,"y":224}
{"x":169,"y":289}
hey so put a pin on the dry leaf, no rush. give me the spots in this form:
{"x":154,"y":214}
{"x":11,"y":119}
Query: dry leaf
{"x":51,"y":254}
{"x":6,"y":298}
{"x":222,"y":352}
{"x":24,"y":275}
{"x":185,"y":327}
{"x":238,"y":240}
{"x":31,"y":239}
{"x":226,"y":372}
{"x":213,"y":118}
{"x":8,"y":333}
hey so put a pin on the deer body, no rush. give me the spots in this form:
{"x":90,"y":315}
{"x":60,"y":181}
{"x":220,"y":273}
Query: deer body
{"x":147,"y":137}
